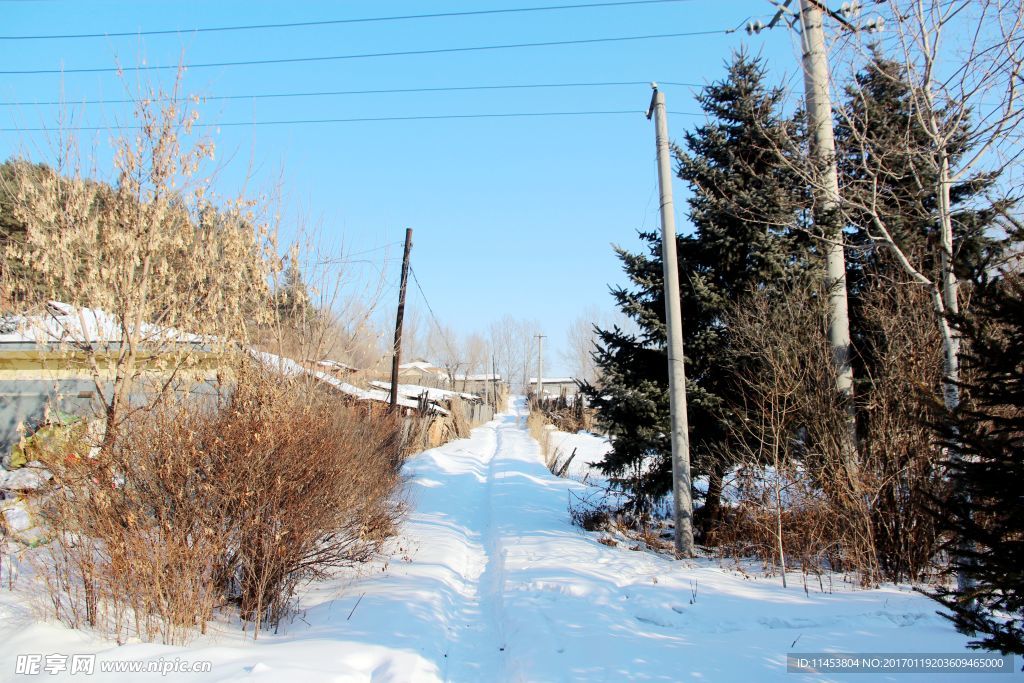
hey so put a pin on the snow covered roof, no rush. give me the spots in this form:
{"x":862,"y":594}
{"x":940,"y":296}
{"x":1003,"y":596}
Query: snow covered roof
{"x":64,"y":323}
{"x":291,"y":368}
{"x":478,"y":378}
{"x":337,"y":365}
{"x":555,"y":380}
{"x":420,"y":365}
{"x":415,"y":391}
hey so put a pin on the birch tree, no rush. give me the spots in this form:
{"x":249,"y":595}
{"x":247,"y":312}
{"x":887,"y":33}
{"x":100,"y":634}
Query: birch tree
{"x":962,"y":64}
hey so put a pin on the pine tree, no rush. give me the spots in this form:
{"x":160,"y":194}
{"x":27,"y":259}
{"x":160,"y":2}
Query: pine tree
{"x":293,"y":301}
{"x":744,"y":204}
{"x":986,"y":518}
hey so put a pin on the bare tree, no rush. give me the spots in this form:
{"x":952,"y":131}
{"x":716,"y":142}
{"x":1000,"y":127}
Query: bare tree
{"x":581,"y":338}
{"x":515,"y":349}
{"x":963,"y":62}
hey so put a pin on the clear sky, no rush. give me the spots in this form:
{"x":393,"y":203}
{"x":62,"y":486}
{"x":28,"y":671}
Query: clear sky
{"x":510,"y":215}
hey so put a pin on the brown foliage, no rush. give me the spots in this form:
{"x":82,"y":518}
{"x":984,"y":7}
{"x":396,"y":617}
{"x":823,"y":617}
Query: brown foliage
{"x":901,"y":457}
{"x":800,"y":499}
{"x":197,"y":504}
{"x":793,"y":423}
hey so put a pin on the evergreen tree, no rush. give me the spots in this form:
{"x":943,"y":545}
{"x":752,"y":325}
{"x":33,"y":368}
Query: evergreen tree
{"x":744,"y":204}
{"x":986,"y":517}
{"x":293,"y":302}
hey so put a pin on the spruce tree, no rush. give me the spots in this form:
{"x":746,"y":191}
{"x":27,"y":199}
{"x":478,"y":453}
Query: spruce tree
{"x":745,"y":201}
{"x":986,"y":517}
{"x":293,"y":301}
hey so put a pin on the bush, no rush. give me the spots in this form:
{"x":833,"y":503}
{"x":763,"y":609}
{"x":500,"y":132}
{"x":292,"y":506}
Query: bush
{"x":235,"y":500}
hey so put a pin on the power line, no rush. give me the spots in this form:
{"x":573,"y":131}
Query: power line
{"x":437,"y":324}
{"x":383,"y":91}
{"x":367,"y":55}
{"x":361,"y":119}
{"x":329,"y":22}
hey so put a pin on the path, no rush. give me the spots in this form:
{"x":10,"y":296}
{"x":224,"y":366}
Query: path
{"x":489,"y":582}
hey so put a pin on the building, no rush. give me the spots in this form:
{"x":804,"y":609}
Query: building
{"x":556,"y":386}
{"x":45,"y":370}
{"x":422,"y":373}
{"x":478,"y":384}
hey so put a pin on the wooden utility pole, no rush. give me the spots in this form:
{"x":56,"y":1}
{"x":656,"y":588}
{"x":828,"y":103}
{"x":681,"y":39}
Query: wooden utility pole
{"x":494,"y":381}
{"x":826,"y":192}
{"x":540,"y":368}
{"x":397,"y":358}
{"x":682,"y":494}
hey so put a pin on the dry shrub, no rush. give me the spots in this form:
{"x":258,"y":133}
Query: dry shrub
{"x":903,"y":354}
{"x":802,"y":500}
{"x":591,"y":512}
{"x":540,"y":429}
{"x":568,"y":414}
{"x":460,"y":426}
{"x":805,"y":522}
{"x":201,"y":503}
{"x":809,"y":493}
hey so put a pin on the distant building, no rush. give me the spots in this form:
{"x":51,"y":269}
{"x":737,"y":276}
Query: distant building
{"x":555,"y":386}
{"x":478,"y":384}
{"x":424,"y":374}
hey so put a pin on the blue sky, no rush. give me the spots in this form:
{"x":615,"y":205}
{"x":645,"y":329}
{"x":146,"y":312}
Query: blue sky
{"x":510,"y":215}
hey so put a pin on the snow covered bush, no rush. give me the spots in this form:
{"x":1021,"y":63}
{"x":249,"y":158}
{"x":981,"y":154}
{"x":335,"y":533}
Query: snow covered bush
{"x":200,"y":504}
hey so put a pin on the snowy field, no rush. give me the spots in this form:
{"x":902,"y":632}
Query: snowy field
{"x":490,"y":582}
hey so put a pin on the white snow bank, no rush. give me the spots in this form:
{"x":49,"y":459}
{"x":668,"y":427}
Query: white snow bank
{"x":590,"y":449}
{"x":490,"y":582}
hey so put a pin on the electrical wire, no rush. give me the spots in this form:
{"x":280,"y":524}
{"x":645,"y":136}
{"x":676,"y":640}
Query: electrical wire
{"x":361,"y":119}
{"x":433,"y":317}
{"x":384,"y":91}
{"x":330,"y":22}
{"x":365,"y":55}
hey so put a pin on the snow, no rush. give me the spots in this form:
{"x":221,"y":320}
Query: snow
{"x":590,"y":449}
{"x":292,"y":368}
{"x":415,"y":391}
{"x":488,"y":581}
{"x":420,"y":365}
{"x":66,"y":323}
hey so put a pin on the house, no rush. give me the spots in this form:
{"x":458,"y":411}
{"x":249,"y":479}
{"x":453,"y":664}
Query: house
{"x":423,"y":373}
{"x":479,"y":384}
{"x":556,"y":386}
{"x":45,"y":370}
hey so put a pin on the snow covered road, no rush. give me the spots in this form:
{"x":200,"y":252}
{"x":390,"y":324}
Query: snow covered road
{"x":490,"y":582}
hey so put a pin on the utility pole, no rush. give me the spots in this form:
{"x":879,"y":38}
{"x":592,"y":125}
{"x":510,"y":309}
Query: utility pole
{"x":826,"y":186}
{"x":397,"y":358}
{"x":540,"y":368}
{"x":823,"y":149}
{"x":682,"y":494}
{"x":494,"y":381}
